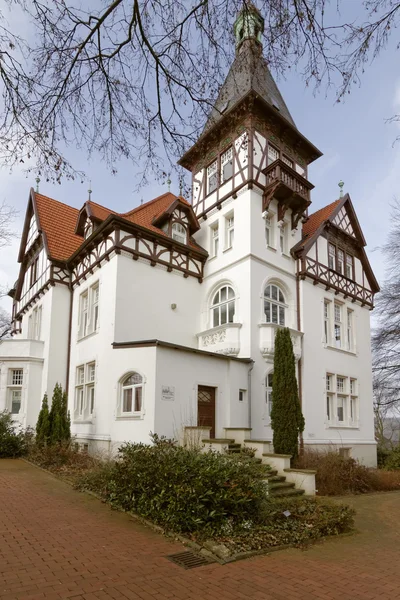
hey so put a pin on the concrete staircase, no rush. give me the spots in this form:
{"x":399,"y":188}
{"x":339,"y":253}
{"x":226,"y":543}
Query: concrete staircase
{"x":276,"y":485}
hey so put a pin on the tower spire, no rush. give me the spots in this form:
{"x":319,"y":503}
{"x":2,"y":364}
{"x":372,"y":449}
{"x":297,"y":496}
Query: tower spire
{"x":249,"y":25}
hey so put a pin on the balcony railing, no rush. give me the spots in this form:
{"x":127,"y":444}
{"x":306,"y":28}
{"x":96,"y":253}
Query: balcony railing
{"x":224,"y":339}
{"x":323,"y":274}
{"x":292,"y":183}
{"x":267,"y":340}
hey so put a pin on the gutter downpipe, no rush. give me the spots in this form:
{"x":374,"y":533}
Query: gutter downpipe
{"x":249,"y":388}
{"x":299,"y":364}
{"x":69,"y":336}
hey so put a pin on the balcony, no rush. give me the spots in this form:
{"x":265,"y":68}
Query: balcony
{"x":224,"y":339}
{"x":332,"y":279}
{"x":267,"y":340}
{"x":288,"y":186}
{"x":21,"y":349}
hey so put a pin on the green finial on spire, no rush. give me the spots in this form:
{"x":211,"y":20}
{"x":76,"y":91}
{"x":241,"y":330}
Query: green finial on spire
{"x":249,"y":25}
{"x":169,"y":183}
{"x":37,"y":184}
{"x":90,"y":190}
{"x":341,"y":184}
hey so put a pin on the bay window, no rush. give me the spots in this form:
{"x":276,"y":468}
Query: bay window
{"x":274,"y":305}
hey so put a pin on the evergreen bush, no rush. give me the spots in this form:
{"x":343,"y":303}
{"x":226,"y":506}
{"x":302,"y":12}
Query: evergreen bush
{"x":183,"y":490}
{"x":43,"y":424}
{"x":287,"y":420}
{"x":54,"y":427}
{"x":14,"y":441}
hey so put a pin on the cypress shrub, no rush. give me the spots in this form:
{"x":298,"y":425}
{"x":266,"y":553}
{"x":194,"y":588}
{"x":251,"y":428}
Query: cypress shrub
{"x":43,"y":424}
{"x":287,"y":420}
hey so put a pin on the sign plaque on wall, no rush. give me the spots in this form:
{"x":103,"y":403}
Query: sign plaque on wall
{"x":168,"y":393}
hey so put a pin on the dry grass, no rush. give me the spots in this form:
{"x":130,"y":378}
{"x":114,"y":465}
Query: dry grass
{"x":66,"y":460}
{"x":337,"y":476}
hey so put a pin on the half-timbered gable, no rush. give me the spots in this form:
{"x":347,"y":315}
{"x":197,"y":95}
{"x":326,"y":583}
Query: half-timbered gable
{"x":332,"y":253}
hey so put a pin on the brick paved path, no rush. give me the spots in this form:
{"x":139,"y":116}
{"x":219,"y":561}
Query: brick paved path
{"x":57,"y":543}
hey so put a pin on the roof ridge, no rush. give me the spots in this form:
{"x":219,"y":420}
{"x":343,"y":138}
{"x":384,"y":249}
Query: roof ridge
{"x":100,"y":206}
{"x":141,"y":206}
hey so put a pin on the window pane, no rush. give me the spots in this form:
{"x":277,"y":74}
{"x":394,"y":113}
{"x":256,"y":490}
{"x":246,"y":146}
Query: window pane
{"x":227,"y":170}
{"x":215,"y":317}
{"x":267,"y":292}
{"x":328,"y":407}
{"x":281,"y":316}
{"x":223,"y":314}
{"x":216,"y":298}
{"x":138,"y":399}
{"x":231,"y":311}
{"x":15,"y":402}
{"x":224,"y":293}
{"x":274,"y":292}
{"x":267,"y":310}
{"x":127,"y":401}
{"x":274,"y":313}
{"x":133,"y":379}
{"x":17,"y":377}
{"x":281,"y":298}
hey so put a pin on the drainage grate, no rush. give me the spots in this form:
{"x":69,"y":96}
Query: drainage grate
{"x":189,"y":560}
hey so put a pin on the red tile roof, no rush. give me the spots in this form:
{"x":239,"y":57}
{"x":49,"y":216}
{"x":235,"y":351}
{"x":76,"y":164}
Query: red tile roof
{"x":58,"y":221}
{"x":317,"y":218}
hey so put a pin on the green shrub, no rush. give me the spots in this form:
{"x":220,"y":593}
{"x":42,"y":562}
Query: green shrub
{"x":382,"y":454}
{"x":392,"y":460}
{"x":183,"y":490}
{"x":14,"y":441}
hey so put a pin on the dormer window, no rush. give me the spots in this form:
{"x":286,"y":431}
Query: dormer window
{"x":88,"y":229}
{"x":212,"y":177}
{"x":179,"y":233}
{"x":227,"y":165}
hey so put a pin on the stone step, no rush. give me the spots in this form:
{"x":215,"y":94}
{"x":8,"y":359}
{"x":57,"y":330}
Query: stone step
{"x":286,"y":492}
{"x":272,"y":472}
{"x":280,"y":485}
{"x":276,"y":479}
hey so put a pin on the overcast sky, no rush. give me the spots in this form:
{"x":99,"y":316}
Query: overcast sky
{"x":356,"y":141}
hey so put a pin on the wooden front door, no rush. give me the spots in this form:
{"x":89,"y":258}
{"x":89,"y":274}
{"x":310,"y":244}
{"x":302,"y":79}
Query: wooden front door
{"x":206,"y":408}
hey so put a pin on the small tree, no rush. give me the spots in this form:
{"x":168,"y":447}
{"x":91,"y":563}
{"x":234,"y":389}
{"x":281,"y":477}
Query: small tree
{"x":60,"y":423}
{"x":286,"y":417}
{"x":43,"y":424}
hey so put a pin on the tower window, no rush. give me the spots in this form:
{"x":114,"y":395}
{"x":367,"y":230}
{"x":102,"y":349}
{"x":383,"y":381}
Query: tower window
{"x":212,"y":177}
{"x":273,"y":154}
{"x":227,"y":165}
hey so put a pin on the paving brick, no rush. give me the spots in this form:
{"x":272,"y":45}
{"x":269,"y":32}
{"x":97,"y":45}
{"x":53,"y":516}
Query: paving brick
{"x":56,"y":543}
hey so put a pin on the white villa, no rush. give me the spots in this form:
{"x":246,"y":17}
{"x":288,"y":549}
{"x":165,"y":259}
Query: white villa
{"x":164,"y":317}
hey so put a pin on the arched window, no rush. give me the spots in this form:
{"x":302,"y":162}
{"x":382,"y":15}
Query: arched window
{"x":268,"y":394}
{"x":274,"y":305}
{"x":179,"y":232}
{"x":132,"y":394}
{"x":223,"y":306}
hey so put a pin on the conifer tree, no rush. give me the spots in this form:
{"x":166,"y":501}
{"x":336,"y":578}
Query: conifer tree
{"x":287,"y":420}
{"x":43,"y":423}
{"x":56,"y":425}
{"x":65,"y":418}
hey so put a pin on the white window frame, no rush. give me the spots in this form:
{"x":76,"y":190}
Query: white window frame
{"x":226,"y":159}
{"x":212,"y":175}
{"x":132,"y":386}
{"x":283,"y":238}
{"x":349,"y":266}
{"x":89,"y":312}
{"x":273,"y":153}
{"x":214,"y":231}
{"x":229,"y":231}
{"x":338,"y":325}
{"x":279,"y":302}
{"x":270,"y":230}
{"x":14,"y":387}
{"x":35,"y":323}
{"x":223,"y":306}
{"x":331,"y":256}
{"x":350,"y":330}
{"x":342,"y":403}
{"x":268,"y":394}
{"x":85,"y":391}
{"x":327,"y":321}
{"x":179,"y":232}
